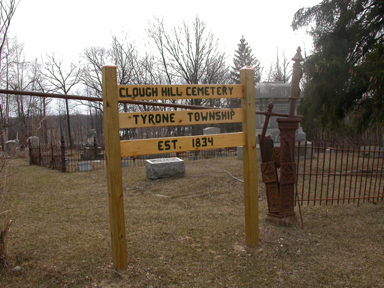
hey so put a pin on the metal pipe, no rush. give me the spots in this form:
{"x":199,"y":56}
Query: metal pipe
{"x":98,"y":99}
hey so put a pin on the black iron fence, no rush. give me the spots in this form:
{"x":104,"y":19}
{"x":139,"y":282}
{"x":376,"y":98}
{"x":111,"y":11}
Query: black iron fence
{"x":92,"y":157}
{"x":339,"y":173}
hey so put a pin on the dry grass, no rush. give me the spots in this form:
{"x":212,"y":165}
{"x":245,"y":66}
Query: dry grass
{"x":185,"y":232}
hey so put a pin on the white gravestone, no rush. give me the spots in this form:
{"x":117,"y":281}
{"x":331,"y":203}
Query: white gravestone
{"x":164,"y":167}
{"x":211,"y":131}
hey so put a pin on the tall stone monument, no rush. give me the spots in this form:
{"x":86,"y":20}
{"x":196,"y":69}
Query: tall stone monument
{"x":278,"y":93}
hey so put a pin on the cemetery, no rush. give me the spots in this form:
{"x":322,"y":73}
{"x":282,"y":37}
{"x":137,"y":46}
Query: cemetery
{"x":174,"y":166}
{"x":199,"y":222}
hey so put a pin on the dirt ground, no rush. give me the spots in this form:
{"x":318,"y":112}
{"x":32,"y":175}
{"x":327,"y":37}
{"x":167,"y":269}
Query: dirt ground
{"x":181,"y":232}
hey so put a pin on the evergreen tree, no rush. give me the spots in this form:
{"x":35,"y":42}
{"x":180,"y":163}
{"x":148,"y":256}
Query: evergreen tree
{"x":344,"y":75}
{"x":244,"y":57}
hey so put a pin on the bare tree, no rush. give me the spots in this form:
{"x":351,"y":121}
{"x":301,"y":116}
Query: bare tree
{"x":15,"y":75}
{"x":280,"y":72}
{"x":7,"y":10}
{"x":39,"y":84}
{"x":189,"y":54}
{"x":62,"y":80}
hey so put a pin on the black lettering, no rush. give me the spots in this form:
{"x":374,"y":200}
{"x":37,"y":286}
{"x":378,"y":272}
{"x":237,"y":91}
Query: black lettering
{"x":224,"y":90}
{"x":188,"y":92}
{"x":154,"y":91}
{"x":158,"y":118}
{"x":121,"y":93}
{"x":135,"y":92}
{"x":204,"y":116}
{"x":224,"y":115}
{"x":165,"y":118}
{"x":160,"y":145}
{"x":142,"y":92}
{"x":172,"y":117}
{"x":143,"y":117}
{"x":200,"y":91}
{"x":167,"y":146}
{"x":174,"y":143}
{"x":177,"y":92}
{"x":150,"y":119}
{"x":218,"y":117}
{"x":213,"y":90}
{"x":206,"y":91}
{"x":230,"y":90}
{"x":136,"y":116}
{"x":190,"y":116}
{"x":212,"y":115}
{"x":163,"y":91}
{"x":194,"y":91}
{"x":197,"y":117}
{"x":232,"y":114}
{"x":219,"y":91}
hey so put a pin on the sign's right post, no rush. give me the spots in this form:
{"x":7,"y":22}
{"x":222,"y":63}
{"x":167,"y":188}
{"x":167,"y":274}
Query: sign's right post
{"x":249,"y":158}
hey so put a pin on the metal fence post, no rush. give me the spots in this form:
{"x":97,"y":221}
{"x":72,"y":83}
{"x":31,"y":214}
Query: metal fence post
{"x":30,"y":152}
{"x":95,"y":147}
{"x":63,"y":168}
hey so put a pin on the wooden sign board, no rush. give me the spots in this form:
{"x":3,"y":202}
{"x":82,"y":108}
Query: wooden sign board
{"x":180,"y":144}
{"x":116,"y":149}
{"x":177,"y":118}
{"x":175,"y":92}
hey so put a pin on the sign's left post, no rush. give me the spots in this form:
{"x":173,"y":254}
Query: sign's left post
{"x":113,"y":164}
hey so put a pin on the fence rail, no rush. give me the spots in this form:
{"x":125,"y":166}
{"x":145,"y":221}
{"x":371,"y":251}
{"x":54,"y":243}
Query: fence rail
{"x":344,"y":173}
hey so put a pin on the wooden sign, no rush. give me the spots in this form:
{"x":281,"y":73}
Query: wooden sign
{"x":177,"y":118}
{"x":115,"y":149}
{"x":175,"y":92}
{"x":180,"y":144}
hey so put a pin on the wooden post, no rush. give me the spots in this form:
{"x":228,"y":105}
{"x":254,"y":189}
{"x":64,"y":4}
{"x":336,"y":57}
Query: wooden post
{"x":251,"y":200}
{"x":113,"y":162}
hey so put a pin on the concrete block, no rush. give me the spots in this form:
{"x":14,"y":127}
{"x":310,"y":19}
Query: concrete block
{"x":164,"y":167}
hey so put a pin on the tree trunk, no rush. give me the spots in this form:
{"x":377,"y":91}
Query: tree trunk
{"x":4,"y":244}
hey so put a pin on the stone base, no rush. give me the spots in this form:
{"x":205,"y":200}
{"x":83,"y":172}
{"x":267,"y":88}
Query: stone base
{"x":282,"y":219}
{"x":164,"y":167}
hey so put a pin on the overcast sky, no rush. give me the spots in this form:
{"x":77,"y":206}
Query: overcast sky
{"x":66,"y":28}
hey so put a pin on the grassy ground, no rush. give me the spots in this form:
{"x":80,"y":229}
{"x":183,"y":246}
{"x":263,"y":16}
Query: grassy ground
{"x":184,"y":232}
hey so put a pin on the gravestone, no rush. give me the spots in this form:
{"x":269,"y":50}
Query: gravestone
{"x":211,"y":131}
{"x":278,"y":93}
{"x":91,"y":136}
{"x":164,"y":167}
{"x":34,"y":142}
{"x":372,"y":151}
{"x":84,"y":166}
{"x":10,"y":147}
{"x":88,"y":151}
